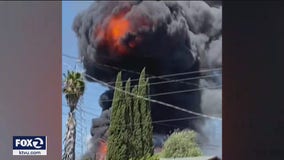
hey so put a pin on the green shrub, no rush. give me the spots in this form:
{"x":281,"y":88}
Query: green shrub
{"x":181,"y":144}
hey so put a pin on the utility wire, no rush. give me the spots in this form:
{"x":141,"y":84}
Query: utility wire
{"x":160,"y":121}
{"x":173,"y":92}
{"x":175,"y":80}
{"x":150,"y":77}
{"x":160,"y":76}
{"x":155,"y":101}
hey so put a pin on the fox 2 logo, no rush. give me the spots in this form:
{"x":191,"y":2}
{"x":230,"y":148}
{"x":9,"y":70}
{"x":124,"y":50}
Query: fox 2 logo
{"x":29,"y":142}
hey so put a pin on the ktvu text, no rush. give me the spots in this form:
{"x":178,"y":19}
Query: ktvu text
{"x":29,"y":145}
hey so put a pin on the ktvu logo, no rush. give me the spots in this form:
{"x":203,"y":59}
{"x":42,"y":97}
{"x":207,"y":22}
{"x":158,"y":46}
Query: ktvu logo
{"x":29,"y":145}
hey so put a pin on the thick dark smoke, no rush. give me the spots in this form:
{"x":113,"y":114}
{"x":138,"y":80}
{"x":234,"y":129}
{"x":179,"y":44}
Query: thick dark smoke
{"x":166,"y":38}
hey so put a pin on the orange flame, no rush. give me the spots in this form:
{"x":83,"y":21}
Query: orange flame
{"x":112,"y":34}
{"x":101,"y":154}
{"x":118,"y":27}
{"x":103,"y":148}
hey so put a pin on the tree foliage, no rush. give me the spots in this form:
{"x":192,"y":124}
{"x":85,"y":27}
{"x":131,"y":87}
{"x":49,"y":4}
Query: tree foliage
{"x":181,"y":144}
{"x":117,"y":140}
{"x":130,"y":132}
{"x":145,"y":116}
{"x":73,"y":89}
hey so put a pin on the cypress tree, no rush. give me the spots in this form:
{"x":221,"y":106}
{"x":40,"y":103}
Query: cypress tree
{"x":147,"y":127}
{"x":117,"y":147}
{"x":142,"y":130}
{"x":130,"y":132}
{"x":129,"y":118}
{"x":137,"y":130}
{"x":146,"y":120}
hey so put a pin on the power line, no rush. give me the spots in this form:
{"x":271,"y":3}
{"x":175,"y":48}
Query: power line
{"x":173,"y":92}
{"x":161,"y":121}
{"x":169,"y":81}
{"x":183,"y":79}
{"x":183,"y":91}
{"x":170,"y":75}
{"x":84,"y":111}
{"x":151,"y":77}
{"x":155,"y":101}
{"x":176,"y":80}
{"x":168,"y":120}
{"x":176,"y":119}
{"x":173,"y":80}
{"x":160,"y":76}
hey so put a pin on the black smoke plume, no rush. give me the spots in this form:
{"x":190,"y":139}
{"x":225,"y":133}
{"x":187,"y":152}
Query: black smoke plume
{"x":163,"y":36}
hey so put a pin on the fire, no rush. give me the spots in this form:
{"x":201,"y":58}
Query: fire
{"x":103,"y":148}
{"x":117,"y":29}
{"x":101,"y":154}
{"x":112,"y":34}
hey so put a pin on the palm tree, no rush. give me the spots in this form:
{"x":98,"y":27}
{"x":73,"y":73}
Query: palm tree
{"x":73,"y":89}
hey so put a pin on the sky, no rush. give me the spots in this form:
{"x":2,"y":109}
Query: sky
{"x":89,"y":107}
